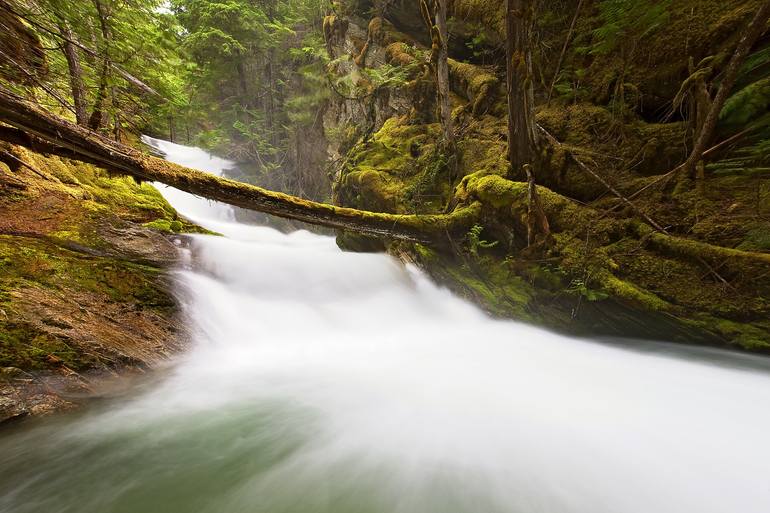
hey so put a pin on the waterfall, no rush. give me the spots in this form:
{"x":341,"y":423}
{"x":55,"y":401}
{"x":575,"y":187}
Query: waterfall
{"x":325,"y":381}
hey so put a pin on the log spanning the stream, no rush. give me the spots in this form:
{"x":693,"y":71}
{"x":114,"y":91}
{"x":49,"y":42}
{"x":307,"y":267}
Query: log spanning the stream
{"x":44,"y":132}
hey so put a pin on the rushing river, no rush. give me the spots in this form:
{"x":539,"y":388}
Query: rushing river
{"x":323,"y":381}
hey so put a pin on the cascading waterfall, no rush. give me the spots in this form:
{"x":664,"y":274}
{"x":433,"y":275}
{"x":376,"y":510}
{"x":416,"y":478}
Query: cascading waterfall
{"x":324,"y":381}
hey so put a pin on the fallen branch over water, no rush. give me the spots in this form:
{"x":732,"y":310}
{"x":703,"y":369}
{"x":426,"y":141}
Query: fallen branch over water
{"x":45,"y":132}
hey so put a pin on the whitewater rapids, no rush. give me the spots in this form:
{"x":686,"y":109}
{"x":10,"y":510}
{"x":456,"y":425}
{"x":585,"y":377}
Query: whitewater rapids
{"x":324,"y":381}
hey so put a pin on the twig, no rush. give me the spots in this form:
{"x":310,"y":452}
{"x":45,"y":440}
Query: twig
{"x":706,"y":154}
{"x":601,"y":180}
{"x":564,"y":51}
{"x":39,"y":83}
{"x":22,"y":163}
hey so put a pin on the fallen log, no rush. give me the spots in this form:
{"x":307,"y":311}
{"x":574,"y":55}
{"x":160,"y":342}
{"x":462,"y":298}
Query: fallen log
{"x":44,"y":132}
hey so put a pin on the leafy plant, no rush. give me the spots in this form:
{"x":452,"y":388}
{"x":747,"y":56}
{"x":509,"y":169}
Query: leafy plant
{"x":580,"y":288}
{"x":475,"y":242}
{"x":626,"y":20}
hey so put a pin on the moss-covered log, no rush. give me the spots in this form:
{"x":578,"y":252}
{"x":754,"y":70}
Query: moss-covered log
{"x":46,"y":132}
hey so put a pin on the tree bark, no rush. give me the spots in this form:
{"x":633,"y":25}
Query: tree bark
{"x":752,"y":33}
{"x":42,"y":131}
{"x":270,"y":124}
{"x":98,"y":116}
{"x":75,"y":74}
{"x":442,"y":75}
{"x":522,"y":138}
{"x":97,"y":119}
{"x":536,"y":218}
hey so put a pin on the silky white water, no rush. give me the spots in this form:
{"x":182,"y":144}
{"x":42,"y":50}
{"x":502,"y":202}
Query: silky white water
{"x":324,"y":381}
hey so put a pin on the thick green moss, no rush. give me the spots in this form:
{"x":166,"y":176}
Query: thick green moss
{"x":498,"y":192}
{"x":30,"y":262}
{"x":479,"y":85}
{"x":400,"y":170}
{"x":27,"y":348}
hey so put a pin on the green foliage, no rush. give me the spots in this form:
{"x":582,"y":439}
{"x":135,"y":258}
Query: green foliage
{"x":580,"y":287}
{"x":433,"y":165}
{"x":258,"y":74}
{"x":388,"y":75}
{"x":751,"y":159}
{"x":748,"y":107}
{"x":625,"y":21}
{"x":475,"y":242}
{"x":127,"y":51}
{"x":747,"y":104}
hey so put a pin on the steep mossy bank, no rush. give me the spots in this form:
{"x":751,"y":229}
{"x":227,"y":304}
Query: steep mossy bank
{"x":603,"y":269}
{"x":84,"y":288}
{"x":597,"y":273}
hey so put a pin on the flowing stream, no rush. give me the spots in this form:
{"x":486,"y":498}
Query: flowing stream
{"x":324,"y":381}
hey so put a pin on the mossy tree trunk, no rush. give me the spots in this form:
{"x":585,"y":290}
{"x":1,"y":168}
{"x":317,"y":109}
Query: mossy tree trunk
{"x":434,"y":14}
{"x":442,"y":76}
{"x":753,"y":32}
{"x":98,"y":115}
{"x":45,"y":132}
{"x":77,"y":86}
{"x":522,"y":137}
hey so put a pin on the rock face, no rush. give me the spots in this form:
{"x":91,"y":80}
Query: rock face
{"x":85,"y":292}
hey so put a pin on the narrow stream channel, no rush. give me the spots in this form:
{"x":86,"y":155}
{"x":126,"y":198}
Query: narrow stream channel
{"x":324,"y":381}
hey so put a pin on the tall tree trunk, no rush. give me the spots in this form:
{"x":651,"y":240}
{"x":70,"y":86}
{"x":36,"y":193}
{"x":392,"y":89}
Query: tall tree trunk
{"x":750,"y":36}
{"x":522,"y":138}
{"x":270,"y":96}
{"x":98,"y":116}
{"x":76,"y":74}
{"x":442,"y":75}
{"x":270,"y":100}
{"x":240,"y":69}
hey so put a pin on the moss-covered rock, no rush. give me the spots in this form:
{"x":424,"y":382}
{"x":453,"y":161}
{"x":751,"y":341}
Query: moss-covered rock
{"x":83,"y":281}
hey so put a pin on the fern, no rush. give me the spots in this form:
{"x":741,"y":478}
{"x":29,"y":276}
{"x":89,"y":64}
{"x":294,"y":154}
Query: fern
{"x":746,"y":105}
{"x":625,"y":19}
{"x":751,"y":159}
{"x":475,"y":242}
{"x":756,"y":61}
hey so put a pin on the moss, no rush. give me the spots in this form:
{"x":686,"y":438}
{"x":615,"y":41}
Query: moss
{"x":395,"y":170}
{"x":165,"y":225}
{"x":41,"y":264}
{"x":756,"y":239}
{"x":744,"y":335}
{"x":627,"y":290}
{"x":498,"y":192}
{"x":488,"y":13}
{"x":478,"y":84}
{"x":400,"y":54}
{"x":27,"y":348}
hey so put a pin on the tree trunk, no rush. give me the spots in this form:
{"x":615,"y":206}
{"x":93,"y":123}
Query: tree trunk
{"x":270,"y":100}
{"x":750,"y":36}
{"x":76,"y":74}
{"x":243,"y":82}
{"x":98,"y":117}
{"x":270,"y":124}
{"x":42,"y":131}
{"x":537,"y":222}
{"x":522,"y":140}
{"x":442,"y":76}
